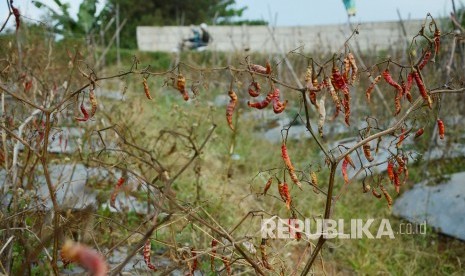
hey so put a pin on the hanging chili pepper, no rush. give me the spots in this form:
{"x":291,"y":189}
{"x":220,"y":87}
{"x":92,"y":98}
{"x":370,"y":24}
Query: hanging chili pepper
{"x":367,"y":152}
{"x":441,"y":129}
{"x":353,"y":66}
{"x":230,"y":108}
{"x":265,"y":262}
{"x":371,"y":87}
{"x":254,"y":89}
{"x":264,"y":103}
{"x":425,"y":60}
{"x":267,"y":185}
{"x":437,"y":40}
{"x":84,"y":113}
{"x":419,"y":133}
{"x":422,"y":89}
{"x":146,"y":253}
{"x":115,"y":192}
{"x":283,"y":190}
{"x":344,"y":171}
{"x":386,"y":195}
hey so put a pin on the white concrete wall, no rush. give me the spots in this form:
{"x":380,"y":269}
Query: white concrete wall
{"x":379,"y":35}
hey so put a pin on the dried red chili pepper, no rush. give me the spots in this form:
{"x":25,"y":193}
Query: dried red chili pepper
{"x":334,"y":96}
{"x":441,"y":129}
{"x":401,"y":138}
{"x":283,"y":190}
{"x":254,"y":89}
{"x":146,"y":89}
{"x":346,"y":104}
{"x":419,"y":133}
{"x":278,"y":106}
{"x":146,"y":253}
{"x":290,"y":167}
{"x":407,"y":87}
{"x":367,"y":152}
{"x":258,"y":68}
{"x":386,"y":195}
{"x":267,"y":185}
{"x":195,"y":262}
{"x":268,"y":67}
{"x":397,"y":103}
{"x":314,"y":179}
{"x":213,"y":254}
{"x":344,"y":171}
{"x":181,"y":86}
{"x":376,"y":194}
{"x":437,"y":40}
{"x":264,"y":103}
{"x":388,"y":78}
{"x":84,"y":113}
{"x":371,"y":87}
{"x":337,"y":79}
{"x":351,"y":162}
{"x":390,"y":170}
{"x":425,"y":60}
{"x":422,"y":89}
{"x":396,"y":181}
{"x":265,"y":262}
{"x":345,"y":72}
{"x":227,"y":265}
{"x":93,"y":101}
{"x":321,"y":115}
{"x":115,"y":192}
{"x":17,"y":15}
{"x":286,"y":158}
{"x":295,"y":179}
{"x":353,"y":66}
{"x":230,"y":108}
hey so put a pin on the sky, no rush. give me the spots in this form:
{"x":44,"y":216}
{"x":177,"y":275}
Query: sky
{"x":297,"y":12}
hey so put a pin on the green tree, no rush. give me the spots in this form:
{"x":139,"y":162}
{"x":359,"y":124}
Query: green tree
{"x":66,"y":25}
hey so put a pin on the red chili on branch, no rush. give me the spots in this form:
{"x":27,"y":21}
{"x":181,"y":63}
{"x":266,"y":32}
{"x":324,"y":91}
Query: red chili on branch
{"x":390,"y":170}
{"x":437,"y":40}
{"x":254,"y":89}
{"x":344,"y":171}
{"x":367,"y":152}
{"x":146,"y":89}
{"x":264,"y":103}
{"x":17,"y":15}
{"x":353,"y":66}
{"x":84,"y":113}
{"x":407,"y":87}
{"x":230,"y":108}
{"x":419,"y":133}
{"x":265,"y":262}
{"x":93,"y":101}
{"x":441,"y":129}
{"x":258,"y":68}
{"x":267,"y":185}
{"x":425,"y":60}
{"x":371,"y":87}
{"x":422,"y":89}
{"x":388,"y":78}
{"x":213,"y":254}
{"x":115,"y":192}
{"x":283,"y":190}
{"x":146,"y":252}
{"x":278,"y":106}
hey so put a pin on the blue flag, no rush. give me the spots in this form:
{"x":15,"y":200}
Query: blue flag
{"x":350,"y":7}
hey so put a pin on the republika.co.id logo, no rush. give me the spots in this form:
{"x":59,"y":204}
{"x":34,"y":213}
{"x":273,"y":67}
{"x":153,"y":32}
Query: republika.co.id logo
{"x":280,"y":228}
